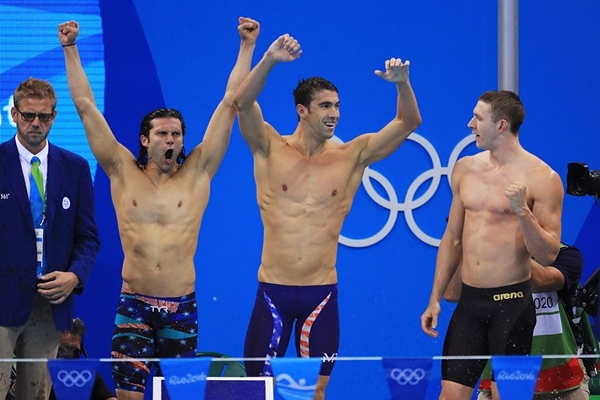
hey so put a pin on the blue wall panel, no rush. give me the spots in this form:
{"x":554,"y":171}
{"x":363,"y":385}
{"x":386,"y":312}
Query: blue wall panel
{"x":179,"y":54}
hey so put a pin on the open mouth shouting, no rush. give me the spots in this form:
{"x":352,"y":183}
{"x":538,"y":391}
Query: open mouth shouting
{"x":169,"y":154}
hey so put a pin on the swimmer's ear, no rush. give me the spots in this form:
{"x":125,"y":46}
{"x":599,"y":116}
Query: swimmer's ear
{"x":301,"y":110}
{"x":503,"y":125}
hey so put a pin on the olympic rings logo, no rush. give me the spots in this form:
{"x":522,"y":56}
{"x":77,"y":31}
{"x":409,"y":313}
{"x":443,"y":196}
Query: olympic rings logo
{"x":74,"y":377}
{"x":407,"y":376}
{"x":434,"y":174}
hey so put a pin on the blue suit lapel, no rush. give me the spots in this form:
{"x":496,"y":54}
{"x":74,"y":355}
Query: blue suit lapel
{"x":54,"y":179}
{"x":12,"y":165}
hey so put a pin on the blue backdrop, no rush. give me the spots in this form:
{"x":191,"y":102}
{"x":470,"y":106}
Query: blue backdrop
{"x":145,"y":54}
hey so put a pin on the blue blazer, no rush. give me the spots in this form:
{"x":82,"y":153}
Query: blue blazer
{"x":71,"y":236}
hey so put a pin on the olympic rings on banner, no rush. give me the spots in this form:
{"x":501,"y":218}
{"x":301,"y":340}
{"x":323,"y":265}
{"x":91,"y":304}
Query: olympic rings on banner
{"x":74,"y":377}
{"x":407,"y":376}
{"x":410,"y":203}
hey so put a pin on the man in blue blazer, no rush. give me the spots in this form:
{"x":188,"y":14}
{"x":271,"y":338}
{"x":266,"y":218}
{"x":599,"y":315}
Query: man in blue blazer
{"x":37,"y":304}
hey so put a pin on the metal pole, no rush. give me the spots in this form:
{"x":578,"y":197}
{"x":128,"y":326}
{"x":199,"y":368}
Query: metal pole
{"x":508,"y":45}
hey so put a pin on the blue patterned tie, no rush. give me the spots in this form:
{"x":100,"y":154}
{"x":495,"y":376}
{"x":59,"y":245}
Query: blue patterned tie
{"x":36,"y":202}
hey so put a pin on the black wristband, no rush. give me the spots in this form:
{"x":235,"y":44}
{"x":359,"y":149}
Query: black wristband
{"x":67,"y":45}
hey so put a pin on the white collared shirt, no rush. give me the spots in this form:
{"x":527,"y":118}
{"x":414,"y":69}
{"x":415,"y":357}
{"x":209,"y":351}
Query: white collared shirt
{"x":25,"y":157}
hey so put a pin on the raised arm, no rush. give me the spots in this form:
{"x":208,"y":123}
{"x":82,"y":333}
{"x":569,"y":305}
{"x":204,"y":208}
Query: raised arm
{"x":253,"y":127}
{"x":377,"y":146}
{"x":211,"y":151}
{"x":109,"y":153}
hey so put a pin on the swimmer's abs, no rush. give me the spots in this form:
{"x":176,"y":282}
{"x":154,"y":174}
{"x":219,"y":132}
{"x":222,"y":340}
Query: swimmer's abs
{"x":159,"y":281}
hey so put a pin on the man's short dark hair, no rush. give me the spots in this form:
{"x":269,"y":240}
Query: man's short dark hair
{"x":505,"y":104}
{"x":307,"y":88}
